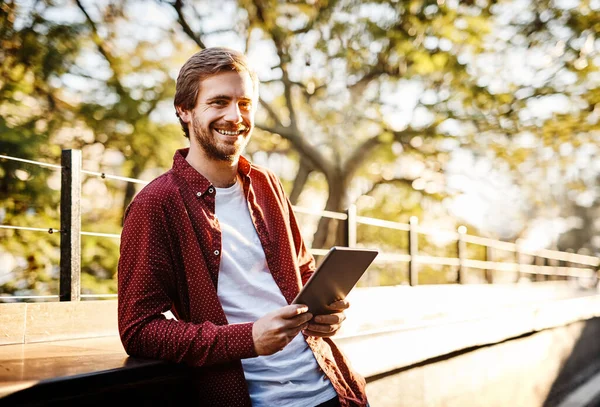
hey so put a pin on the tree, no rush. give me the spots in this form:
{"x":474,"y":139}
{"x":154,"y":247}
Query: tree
{"x":69,"y":83}
{"x":35,"y":53}
{"x":333,"y":90}
{"x":367,"y":101}
{"x":543,"y":61}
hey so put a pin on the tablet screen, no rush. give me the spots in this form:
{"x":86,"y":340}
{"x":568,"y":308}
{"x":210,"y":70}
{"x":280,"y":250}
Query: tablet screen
{"x":337,"y":274}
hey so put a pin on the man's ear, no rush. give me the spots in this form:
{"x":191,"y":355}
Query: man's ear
{"x":184,"y":115}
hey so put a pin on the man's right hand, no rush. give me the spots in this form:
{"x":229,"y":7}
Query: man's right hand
{"x":274,"y":331}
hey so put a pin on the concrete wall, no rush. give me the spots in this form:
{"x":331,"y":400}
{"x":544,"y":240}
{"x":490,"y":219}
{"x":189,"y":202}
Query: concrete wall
{"x":509,"y":346}
{"x":531,"y":371}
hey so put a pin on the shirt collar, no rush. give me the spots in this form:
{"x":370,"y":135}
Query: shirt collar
{"x":196,"y":180}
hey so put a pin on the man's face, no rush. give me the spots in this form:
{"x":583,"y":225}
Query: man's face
{"x":223,"y":119}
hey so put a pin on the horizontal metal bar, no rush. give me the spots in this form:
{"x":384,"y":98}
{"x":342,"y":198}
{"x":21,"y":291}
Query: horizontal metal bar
{"x":491,"y":265}
{"x":107,"y":176}
{"x":27,"y":297}
{"x":443,"y":261}
{"x":557,"y":271}
{"x":31,"y":162}
{"x":111,"y":235}
{"x":383,"y":223}
{"x":35,"y":297}
{"x":99,"y":295}
{"x":388,"y":257}
{"x":437,"y":232}
{"x":565,"y":256}
{"x":496,"y":244}
{"x":529,"y":268}
{"x":326,"y":214}
{"x":545,"y":253}
{"x":47,"y":230}
{"x":479,"y":264}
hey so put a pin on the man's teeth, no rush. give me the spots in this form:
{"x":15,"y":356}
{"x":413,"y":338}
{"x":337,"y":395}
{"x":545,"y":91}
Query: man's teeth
{"x":230,"y":133}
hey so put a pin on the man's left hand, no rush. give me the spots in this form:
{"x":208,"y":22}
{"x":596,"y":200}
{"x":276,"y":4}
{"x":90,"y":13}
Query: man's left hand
{"x":327,"y":325}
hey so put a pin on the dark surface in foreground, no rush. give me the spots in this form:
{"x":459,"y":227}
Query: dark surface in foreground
{"x":90,"y":372}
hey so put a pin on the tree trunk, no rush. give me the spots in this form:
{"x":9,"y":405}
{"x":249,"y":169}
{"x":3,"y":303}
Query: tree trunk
{"x":330,"y":232}
{"x":300,"y":181}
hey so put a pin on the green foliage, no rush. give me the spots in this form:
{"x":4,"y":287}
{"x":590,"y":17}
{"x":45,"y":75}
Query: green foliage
{"x":44,"y":110}
{"x":339,"y":106}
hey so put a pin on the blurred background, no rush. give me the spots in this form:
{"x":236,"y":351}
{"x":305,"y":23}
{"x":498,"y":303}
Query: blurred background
{"x":479,"y":113}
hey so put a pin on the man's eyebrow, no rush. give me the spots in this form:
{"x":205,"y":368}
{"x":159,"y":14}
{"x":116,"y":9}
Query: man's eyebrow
{"x":227,"y":97}
{"x":219,"y":97}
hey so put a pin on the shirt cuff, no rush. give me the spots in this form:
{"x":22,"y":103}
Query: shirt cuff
{"x":240,"y":344}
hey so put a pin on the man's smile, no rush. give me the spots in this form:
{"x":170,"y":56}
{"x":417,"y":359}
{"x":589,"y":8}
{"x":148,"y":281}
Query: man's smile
{"x":231,"y":132}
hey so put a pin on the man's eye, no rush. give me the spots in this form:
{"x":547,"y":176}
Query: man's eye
{"x":246,"y":105}
{"x":220,"y":103}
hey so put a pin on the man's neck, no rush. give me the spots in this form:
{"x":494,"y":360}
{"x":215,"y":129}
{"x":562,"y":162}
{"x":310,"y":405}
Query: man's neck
{"x":221,"y":174}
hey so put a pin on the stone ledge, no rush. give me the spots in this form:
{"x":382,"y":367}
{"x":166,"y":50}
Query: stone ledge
{"x":52,"y":321}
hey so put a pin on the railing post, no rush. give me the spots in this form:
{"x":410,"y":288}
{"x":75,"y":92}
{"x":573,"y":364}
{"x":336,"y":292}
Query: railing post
{"x":555,"y":265}
{"x":519,"y":259}
{"x":462,"y":254}
{"x":70,"y":226}
{"x":540,"y":262}
{"x":351,"y":226}
{"x":489,"y":256}
{"x":413,"y":251}
{"x":569,"y":265}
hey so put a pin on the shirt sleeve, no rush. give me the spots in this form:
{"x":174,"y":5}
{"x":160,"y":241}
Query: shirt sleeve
{"x":147,"y":287}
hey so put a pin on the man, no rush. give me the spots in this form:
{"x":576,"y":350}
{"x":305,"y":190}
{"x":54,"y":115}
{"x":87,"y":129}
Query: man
{"x":214,"y":240}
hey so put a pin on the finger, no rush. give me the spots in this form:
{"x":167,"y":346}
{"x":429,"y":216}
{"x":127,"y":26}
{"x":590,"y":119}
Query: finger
{"x":298,"y":320}
{"x":292,"y":332}
{"x":339,"y":305}
{"x":330,"y":319}
{"x":291,"y":311}
{"x":319,"y":334}
{"x":322,"y":328}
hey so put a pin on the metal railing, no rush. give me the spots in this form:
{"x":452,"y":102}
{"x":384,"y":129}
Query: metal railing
{"x":545,"y":262}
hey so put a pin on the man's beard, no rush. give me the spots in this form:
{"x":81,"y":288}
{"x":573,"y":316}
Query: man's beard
{"x":208,"y":143}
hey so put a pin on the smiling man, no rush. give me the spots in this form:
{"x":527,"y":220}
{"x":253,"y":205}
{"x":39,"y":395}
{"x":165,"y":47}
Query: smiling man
{"x":215,"y":241}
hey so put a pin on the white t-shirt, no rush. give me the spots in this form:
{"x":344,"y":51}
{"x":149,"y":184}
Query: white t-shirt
{"x":247,"y":291}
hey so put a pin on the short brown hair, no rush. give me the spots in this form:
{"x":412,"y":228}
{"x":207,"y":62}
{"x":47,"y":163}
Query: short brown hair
{"x":201,"y":65}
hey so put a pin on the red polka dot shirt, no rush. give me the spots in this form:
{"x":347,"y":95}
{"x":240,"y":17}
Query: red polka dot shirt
{"x":169,"y":261}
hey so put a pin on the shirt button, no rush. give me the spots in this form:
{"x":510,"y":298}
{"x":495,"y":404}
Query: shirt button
{"x":216,"y":252}
{"x":198,"y":194}
{"x":211,"y":190}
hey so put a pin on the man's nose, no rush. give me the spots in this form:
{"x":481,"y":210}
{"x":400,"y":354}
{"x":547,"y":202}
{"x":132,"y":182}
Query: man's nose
{"x":233,"y":114}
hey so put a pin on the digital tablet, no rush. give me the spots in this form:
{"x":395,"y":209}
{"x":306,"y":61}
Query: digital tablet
{"x":333,"y":279}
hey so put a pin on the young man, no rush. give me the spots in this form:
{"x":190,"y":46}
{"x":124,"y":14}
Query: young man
{"x":214,"y":240}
